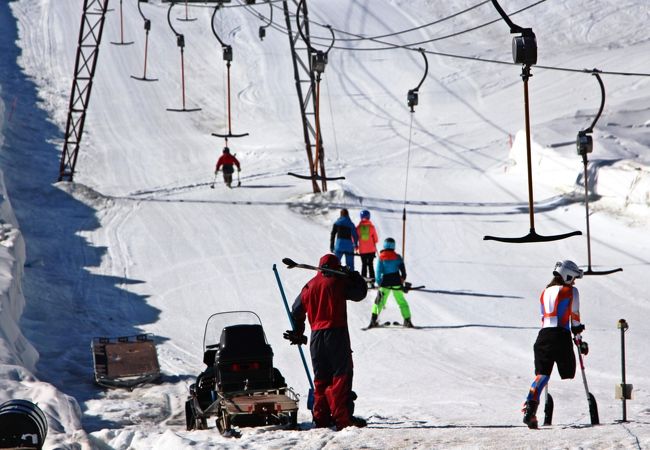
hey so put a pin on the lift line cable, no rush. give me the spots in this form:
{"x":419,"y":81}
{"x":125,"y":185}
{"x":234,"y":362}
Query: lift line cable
{"x":391,"y":46}
{"x":359,"y":37}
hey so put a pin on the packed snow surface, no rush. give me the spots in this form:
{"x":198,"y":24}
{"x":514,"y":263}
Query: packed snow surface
{"x":140,"y":243}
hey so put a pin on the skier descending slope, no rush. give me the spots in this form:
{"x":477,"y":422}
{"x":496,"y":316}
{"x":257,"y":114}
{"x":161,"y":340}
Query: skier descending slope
{"x":390,"y":276}
{"x":560,"y":309}
{"x":323,"y":301}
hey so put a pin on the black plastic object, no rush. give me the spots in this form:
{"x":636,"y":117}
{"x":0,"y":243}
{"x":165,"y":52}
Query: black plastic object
{"x":412,"y":96}
{"x":22,"y":425}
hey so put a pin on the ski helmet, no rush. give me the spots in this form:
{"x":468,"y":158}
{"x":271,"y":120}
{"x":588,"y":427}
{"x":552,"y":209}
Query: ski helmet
{"x":226,"y":150}
{"x":389,"y":244}
{"x":567,"y":270}
{"x":365,"y":214}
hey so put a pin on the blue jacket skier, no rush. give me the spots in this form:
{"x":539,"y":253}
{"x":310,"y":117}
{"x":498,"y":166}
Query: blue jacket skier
{"x":344,"y":239}
{"x":390,"y":275}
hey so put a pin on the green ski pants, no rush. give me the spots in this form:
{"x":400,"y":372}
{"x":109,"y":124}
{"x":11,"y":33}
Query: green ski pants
{"x":382,"y":297}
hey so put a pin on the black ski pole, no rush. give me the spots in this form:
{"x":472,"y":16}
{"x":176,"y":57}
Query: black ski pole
{"x":310,"y":395}
{"x":290,"y":263}
{"x":214,"y":181}
{"x":593,"y":407}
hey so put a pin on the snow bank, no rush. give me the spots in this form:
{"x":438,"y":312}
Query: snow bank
{"x":15,"y":350}
{"x":619,"y":187}
{"x":18,"y":357}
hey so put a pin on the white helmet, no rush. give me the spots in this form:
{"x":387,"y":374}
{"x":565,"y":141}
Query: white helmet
{"x":568,"y":270}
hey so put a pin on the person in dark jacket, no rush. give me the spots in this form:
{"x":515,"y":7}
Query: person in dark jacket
{"x":323,"y":301}
{"x":344,"y":239}
{"x":227,"y":161}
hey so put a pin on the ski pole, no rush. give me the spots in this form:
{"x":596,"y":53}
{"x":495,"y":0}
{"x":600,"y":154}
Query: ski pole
{"x":310,"y":395}
{"x":215,"y":179}
{"x":238,"y":181}
{"x":593,"y":407}
{"x":291,"y":264}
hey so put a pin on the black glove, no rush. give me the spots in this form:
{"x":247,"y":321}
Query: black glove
{"x":294,"y":337}
{"x":583,"y":347}
{"x":406,"y":287}
{"x":578,"y":329}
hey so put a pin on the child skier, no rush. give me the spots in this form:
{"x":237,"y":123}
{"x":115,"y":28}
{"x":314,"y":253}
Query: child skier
{"x":390,"y":275}
{"x":367,"y":245}
{"x":560,"y":309}
{"x":227,"y":161}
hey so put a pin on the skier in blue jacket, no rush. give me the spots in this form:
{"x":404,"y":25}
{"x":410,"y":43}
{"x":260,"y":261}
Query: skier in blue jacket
{"x":344,"y":239}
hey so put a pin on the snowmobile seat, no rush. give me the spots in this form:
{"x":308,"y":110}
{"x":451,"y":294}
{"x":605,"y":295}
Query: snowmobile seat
{"x":244,"y":359}
{"x":210,"y":354}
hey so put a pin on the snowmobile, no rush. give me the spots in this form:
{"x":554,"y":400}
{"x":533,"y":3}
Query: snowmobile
{"x":240,"y":386}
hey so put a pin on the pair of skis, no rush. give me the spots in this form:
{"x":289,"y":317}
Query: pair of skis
{"x":215,"y":180}
{"x":591,"y":400}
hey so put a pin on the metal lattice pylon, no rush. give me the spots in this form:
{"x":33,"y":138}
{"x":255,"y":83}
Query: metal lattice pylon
{"x":304,"y":73}
{"x":90,"y":35}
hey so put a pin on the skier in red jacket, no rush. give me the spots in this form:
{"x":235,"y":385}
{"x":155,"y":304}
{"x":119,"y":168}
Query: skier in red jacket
{"x":323,"y":301}
{"x":227,"y":161}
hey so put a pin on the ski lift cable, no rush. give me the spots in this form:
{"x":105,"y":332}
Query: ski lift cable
{"x":359,"y":37}
{"x":329,"y":98}
{"x":392,"y":46}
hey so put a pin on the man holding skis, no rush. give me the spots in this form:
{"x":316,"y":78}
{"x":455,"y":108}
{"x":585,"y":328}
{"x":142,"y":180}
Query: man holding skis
{"x":323,"y":301}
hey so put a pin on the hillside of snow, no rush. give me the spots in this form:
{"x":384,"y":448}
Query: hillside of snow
{"x":140,"y":243}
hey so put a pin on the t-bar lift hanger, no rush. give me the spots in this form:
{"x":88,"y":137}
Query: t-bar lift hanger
{"x":147,"y":28}
{"x":524,"y":52}
{"x":180,"y":41}
{"x":227,"y":56}
{"x":584,"y":145}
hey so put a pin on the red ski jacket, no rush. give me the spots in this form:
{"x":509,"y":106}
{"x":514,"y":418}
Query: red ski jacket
{"x":323,"y":298}
{"x":367,"y":237}
{"x":227,"y":159}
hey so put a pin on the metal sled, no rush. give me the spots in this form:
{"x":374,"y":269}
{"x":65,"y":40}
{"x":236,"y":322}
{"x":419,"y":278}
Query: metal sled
{"x":126,"y":361}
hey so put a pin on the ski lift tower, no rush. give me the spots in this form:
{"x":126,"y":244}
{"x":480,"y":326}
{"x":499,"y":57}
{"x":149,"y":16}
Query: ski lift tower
{"x":305,"y":66}
{"x":90,"y":35}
